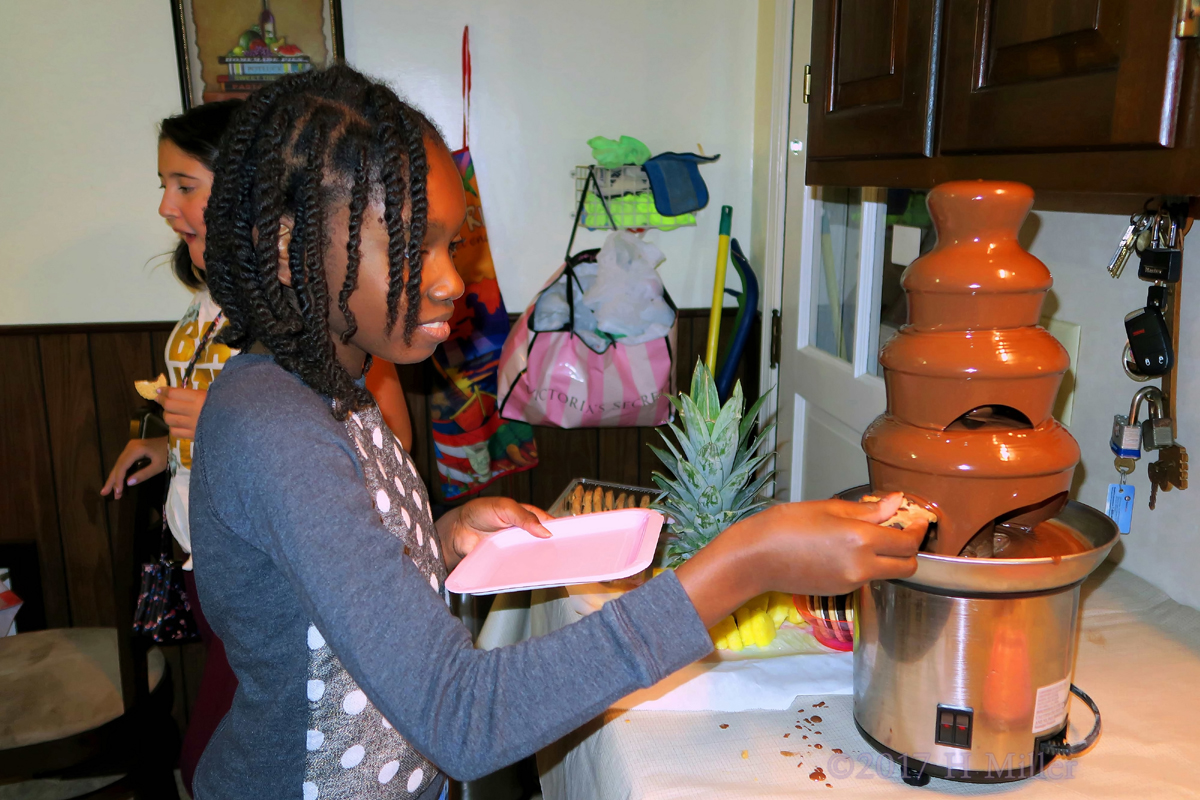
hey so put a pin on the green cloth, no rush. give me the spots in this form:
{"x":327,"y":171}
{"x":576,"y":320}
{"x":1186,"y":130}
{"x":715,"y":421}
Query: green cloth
{"x":630,"y":211}
{"x":612,"y":154}
{"x":916,"y":214}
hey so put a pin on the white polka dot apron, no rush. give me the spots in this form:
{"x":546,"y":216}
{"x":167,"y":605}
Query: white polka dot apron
{"x":353,"y":752}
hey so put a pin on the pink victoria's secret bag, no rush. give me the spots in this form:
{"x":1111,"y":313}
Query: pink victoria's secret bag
{"x":555,"y":378}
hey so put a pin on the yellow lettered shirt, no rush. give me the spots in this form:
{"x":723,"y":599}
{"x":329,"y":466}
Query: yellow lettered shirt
{"x":181,"y":346}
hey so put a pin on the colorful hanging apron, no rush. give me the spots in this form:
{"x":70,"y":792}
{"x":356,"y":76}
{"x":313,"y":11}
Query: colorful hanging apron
{"x":473,"y":444}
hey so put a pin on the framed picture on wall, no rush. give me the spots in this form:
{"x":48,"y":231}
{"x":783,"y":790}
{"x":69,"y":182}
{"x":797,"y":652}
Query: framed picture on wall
{"x":229,"y":48}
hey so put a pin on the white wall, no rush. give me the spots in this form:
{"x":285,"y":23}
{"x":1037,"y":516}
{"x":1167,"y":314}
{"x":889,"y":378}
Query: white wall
{"x":79,"y":236}
{"x":84,"y":87}
{"x":1164,"y":545}
{"x":551,"y":74}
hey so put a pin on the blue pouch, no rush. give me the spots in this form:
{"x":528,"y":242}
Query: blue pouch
{"x":676,"y":183}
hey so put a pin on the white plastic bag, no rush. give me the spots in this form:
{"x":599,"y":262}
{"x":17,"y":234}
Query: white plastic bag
{"x":627,"y":294}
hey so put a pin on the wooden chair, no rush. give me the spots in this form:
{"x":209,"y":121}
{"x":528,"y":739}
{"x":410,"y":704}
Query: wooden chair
{"x":83,"y":702}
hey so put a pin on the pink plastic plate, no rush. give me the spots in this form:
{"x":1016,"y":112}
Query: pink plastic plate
{"x":584,"y":549}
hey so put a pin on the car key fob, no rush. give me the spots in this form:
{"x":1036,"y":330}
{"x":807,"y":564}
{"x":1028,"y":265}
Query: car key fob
{"x":1150,"y":341}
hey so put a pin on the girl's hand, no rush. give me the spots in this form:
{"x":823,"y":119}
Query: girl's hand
{"x":826,"y":547}
{"x":461,"y":529}
{"x":135,"y":450}
{"x":181,"y":410}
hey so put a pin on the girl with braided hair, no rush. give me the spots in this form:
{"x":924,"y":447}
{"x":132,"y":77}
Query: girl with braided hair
{"x":331,"y":228}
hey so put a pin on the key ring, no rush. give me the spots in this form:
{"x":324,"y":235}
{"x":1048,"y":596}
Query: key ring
{"x":1125,"y":467}
{"x":1127,"y":363}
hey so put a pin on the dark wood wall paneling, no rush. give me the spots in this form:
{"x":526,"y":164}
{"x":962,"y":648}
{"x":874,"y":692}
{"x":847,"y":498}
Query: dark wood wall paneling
{"x":67,"y":396}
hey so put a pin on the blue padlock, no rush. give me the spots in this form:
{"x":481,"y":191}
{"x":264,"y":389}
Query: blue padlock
{"x":1126,"y":441}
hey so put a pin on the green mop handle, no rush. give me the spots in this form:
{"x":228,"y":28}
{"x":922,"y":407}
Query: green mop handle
{"x":718,"y":301}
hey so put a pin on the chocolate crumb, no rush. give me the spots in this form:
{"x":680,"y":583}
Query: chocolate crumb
{"x":818,"y":733}
{"x":817,"y":746}
{"x":830,"y":785}
{"x":723,"y":725}
{"x":819,"y":705}
{"x":805,"y":737}
{"x":837,"y":750}
{"x":786,"y":735}
{"x":817,"y":774}
{"x":814,"y":718}
{"x":787,"y":753}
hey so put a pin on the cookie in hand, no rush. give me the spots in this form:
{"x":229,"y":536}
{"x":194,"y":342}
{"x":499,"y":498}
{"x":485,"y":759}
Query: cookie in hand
{"x":908,"y":513}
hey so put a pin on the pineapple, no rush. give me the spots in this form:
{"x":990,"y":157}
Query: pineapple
{"x":755,"y":623}
{"x":712,"y":464}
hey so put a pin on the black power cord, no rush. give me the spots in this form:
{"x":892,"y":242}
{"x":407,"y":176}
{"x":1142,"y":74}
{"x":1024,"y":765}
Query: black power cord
{"x":1052,"y":748}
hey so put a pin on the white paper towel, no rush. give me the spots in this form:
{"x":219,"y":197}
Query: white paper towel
{"x":714,"y":684}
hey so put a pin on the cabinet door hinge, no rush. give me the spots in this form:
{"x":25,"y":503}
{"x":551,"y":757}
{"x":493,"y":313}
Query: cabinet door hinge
{"x":1187,"y":19}
{"x":776,"y":338}
{"x":807,"y":81}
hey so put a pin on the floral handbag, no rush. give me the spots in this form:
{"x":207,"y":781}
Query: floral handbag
{"x":163,"y":611}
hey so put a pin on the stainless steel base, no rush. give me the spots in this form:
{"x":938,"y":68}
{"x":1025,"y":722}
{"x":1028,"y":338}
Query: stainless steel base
{"x":915,"y":772}
{"x":998,"y":664}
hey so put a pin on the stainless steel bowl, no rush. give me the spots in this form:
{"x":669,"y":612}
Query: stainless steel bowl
{"x":1004,"y":575}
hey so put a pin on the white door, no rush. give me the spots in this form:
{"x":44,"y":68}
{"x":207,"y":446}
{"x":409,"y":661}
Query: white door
{"x":836,"y":244}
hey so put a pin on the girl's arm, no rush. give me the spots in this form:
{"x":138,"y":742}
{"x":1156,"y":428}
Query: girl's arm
{"x":154,"y":450}
{"x":282,"y":475}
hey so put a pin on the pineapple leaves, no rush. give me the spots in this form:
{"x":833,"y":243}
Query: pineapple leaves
{"x":704,"y":391}
{"x":711,"y":457}
{"x":749,"y":419}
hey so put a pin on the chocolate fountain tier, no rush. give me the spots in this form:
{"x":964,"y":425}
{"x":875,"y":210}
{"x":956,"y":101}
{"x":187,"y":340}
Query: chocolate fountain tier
{"x":969,"y":478}
{"x":978,"y":276}
{"x":934,"y":379}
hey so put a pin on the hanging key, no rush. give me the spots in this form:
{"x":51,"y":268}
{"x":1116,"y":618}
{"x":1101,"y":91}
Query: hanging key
{"x":1127,"y":245}
{"x":1170,"y":471}
{"x":1163,"y":260}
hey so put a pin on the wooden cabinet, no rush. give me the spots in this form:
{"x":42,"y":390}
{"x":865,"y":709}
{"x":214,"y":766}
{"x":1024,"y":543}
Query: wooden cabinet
{"x":1066,"y":95}
{"x":1059,"y":74}
{"x":874,"y":77}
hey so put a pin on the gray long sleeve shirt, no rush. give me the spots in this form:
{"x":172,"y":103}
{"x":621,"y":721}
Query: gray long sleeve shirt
{"x":289,"y":545}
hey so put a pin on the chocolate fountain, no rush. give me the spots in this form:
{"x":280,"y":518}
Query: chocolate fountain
{"x":964,"y":670}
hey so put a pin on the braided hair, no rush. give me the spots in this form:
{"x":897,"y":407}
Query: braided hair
{"x":294,"y":149}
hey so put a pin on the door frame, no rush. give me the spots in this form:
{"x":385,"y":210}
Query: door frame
{"x":777,"y":169}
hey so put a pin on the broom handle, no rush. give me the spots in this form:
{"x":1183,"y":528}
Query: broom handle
{"x":718,"y":301}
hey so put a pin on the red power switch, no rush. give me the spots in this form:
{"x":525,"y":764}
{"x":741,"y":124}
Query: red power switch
{"x":954,"y":727}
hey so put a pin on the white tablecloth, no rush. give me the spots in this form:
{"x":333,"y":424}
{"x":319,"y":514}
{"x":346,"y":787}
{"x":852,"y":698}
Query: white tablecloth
{"x":1139,"y":658}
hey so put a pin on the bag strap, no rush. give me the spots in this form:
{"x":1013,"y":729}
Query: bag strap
{"x":167,"y":543}
{"x":591,"y":181}
{"x":568,"y":261}
{"x":466,"y":85}
{"x":167,"y":548}
{"x":202,"y":345}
